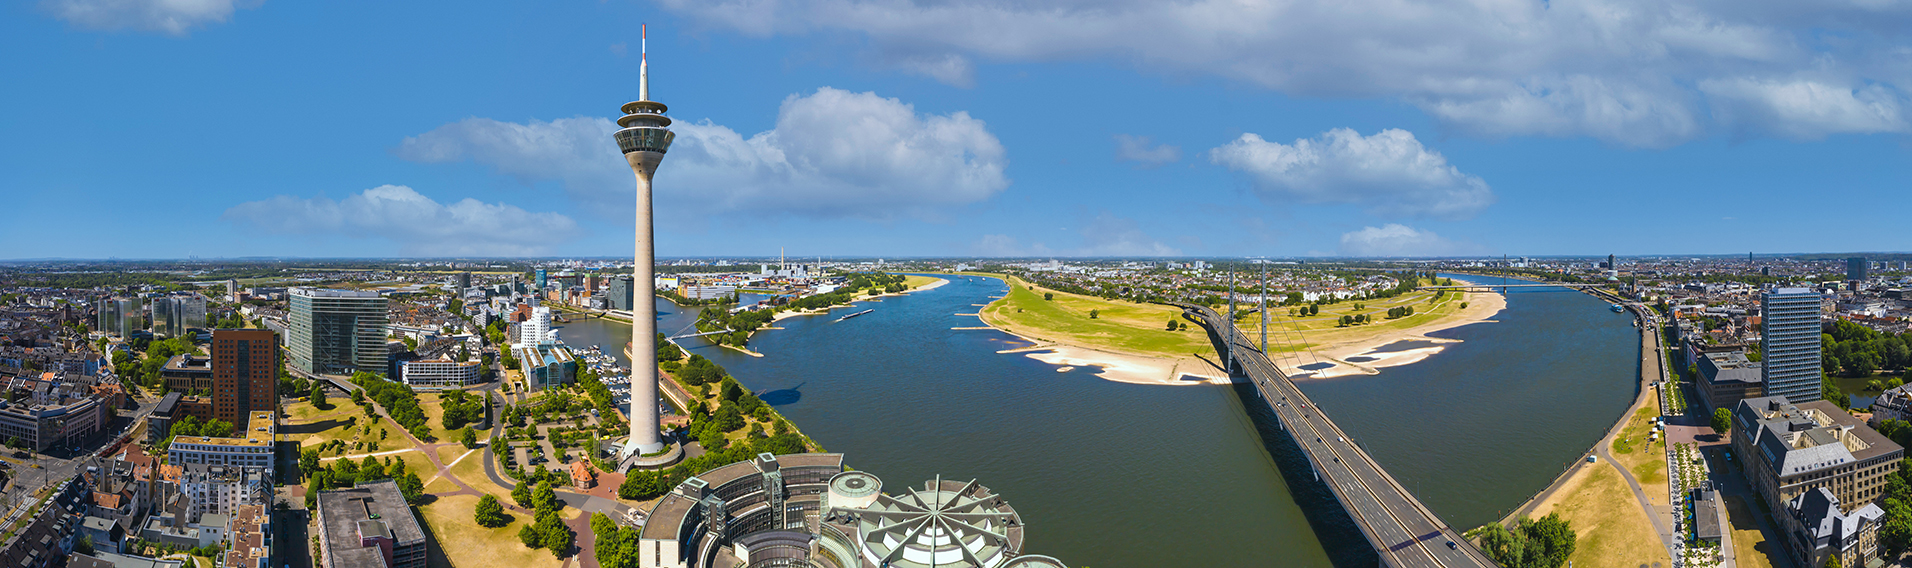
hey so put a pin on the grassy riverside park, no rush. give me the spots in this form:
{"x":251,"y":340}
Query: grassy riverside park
{"x":1141,"y":329}
{"x":1119,"y":326}
{"x":1612,"y":531}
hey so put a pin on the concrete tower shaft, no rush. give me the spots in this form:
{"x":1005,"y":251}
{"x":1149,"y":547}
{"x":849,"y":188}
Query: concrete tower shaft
{"x":644,"y":138}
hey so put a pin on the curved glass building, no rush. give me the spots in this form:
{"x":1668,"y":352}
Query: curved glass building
{"x":806,"y":511}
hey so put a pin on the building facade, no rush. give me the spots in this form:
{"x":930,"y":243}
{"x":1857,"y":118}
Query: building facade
{"x":336,"y":332}
{"x":1790,"y":449}
{"x":547,"y":365}
{"x":1727,"y":378}
{"x":244,"y":373}
{"x":251,"y":447}
{"x":619,"y":293}
{"x":1789,"y":340}
{"x":429,"y":374}
{"x":187,"y":374}
{"x":369,"y":526}
{"x":1817,"y":528}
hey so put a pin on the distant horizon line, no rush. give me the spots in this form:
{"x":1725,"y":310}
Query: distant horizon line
{"x":844,"y":258}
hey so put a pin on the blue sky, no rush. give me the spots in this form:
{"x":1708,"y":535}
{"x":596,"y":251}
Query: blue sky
{"x":214,"y":128}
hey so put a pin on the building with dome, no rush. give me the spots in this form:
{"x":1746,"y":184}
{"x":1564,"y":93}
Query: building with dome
{"x":805,"y":510}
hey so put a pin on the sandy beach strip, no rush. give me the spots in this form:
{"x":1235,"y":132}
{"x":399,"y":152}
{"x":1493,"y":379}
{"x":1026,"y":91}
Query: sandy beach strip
{"x":1333,"y":359}
{"x":1155,"y":370}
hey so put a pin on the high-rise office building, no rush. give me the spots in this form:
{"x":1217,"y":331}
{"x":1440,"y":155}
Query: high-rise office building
{"x":121,"y":316}
{"x":619,"y":293}
{"x":173,"y":315}
{"x":244,"y":369}
{"x":644,"y":135}
{"x":232,"y":289}
{"x":1789,"y":342}
{"x":1856,"y":269}
{"x":542,"y":279}
{"x":336,"y":332}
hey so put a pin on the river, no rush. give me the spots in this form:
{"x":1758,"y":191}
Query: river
{"x":1112,"y":474}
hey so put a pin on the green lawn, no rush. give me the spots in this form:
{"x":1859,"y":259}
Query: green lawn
{"x":1119,"y":326}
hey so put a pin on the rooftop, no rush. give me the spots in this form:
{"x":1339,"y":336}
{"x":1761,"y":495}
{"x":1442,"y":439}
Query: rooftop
{"x":342,"y":511}
{"x":1802,"y":438}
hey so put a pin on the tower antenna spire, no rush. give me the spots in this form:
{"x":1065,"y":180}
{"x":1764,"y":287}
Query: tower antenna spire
{"x":644,"y":63}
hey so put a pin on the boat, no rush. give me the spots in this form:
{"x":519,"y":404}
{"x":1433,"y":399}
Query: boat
{"x":1616,"y":308}
{"x":855,"y":314}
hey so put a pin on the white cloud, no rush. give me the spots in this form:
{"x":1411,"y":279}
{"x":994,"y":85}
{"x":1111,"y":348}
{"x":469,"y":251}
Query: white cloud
{"x":1389,"y":173}
{"x":1396,"y":240}
{"x":1137,"y":149}
{"x":833,"y":154}
{"x":1624,"y":71}
{"x":171,"y":17}
{"x":1806,"y":109}
{"x":418,"y":224}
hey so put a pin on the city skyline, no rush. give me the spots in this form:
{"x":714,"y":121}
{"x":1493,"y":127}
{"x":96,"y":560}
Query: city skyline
{"x":483,"y":134}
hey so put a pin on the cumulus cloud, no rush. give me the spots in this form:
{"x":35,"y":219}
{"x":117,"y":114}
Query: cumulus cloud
{"x":1805,"y":109}
{"x":833,"y":154}
{"x":1389,"y":173}
{"x":171,"y":17}
{"x":418,"y":224}
{"x":1137,"y":149}
{"x":1393,"y":239}
{"x":1624,"y":71}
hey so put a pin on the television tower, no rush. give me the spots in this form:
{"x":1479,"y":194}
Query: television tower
{"x":644,"y":136}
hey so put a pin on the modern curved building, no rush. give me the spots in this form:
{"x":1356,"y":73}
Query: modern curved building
{"x":806,"y":511}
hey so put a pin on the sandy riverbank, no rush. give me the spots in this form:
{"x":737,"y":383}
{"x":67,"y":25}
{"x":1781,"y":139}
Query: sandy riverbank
{"x":1365,"y":354}
{"x":1122,"y":367}
{"x":1323,"y":361}
{"x":876,"y":298}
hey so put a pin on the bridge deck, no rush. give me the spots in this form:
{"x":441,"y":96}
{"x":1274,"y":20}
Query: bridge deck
{"x":1403,"y":532}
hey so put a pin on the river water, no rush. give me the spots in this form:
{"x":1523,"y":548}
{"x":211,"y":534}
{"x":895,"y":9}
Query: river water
{"x":1111,"y":474}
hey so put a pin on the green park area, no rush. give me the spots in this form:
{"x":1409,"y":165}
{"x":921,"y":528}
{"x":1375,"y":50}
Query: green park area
{"x":466,"y":544}
{"x":1088,"y":321}
{"x":1612,"y":530}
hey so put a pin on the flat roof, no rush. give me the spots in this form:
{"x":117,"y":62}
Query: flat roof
{"x":332,"y":293}
{"x":342,"y":509}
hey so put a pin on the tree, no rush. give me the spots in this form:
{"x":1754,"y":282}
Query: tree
{"x":1094,"y":313}
{"x":544,"y":499}
{"x":1048,"y":296}
{"x":1505,"y":548}
{"x":1549,"y":541}
{"x":412,"y":487}
{"x":521,"y":494}
{"x":468,"y":437}
{"x":309,"y":462}
{"x":1833,"y":561}
{"x":318,"y":396}
{"x":553,"y":534}
{"x":1722,"y":420}
{"x":728,"y":418}
{"x":490,"y":514}
{"x":530,"y":537}
{"x":1172,"y":323}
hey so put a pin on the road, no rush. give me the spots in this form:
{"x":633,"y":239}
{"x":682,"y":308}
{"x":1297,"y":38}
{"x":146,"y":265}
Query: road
{"x":1402,"y":531}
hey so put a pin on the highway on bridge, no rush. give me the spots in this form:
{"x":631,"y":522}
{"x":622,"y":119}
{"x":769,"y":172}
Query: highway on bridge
{"x":1403,"y":532}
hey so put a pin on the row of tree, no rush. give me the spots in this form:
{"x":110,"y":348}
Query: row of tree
{"x":547,"y":530}
{"x":398,"y":400}
{"x":344,"y":473}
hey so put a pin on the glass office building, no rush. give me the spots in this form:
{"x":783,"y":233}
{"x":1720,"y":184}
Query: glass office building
{"x":1789,"y":341}
{"x":336,"y":332}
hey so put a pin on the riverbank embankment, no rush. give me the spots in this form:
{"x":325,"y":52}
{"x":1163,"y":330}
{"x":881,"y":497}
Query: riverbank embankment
{"x":1124,"y":342}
